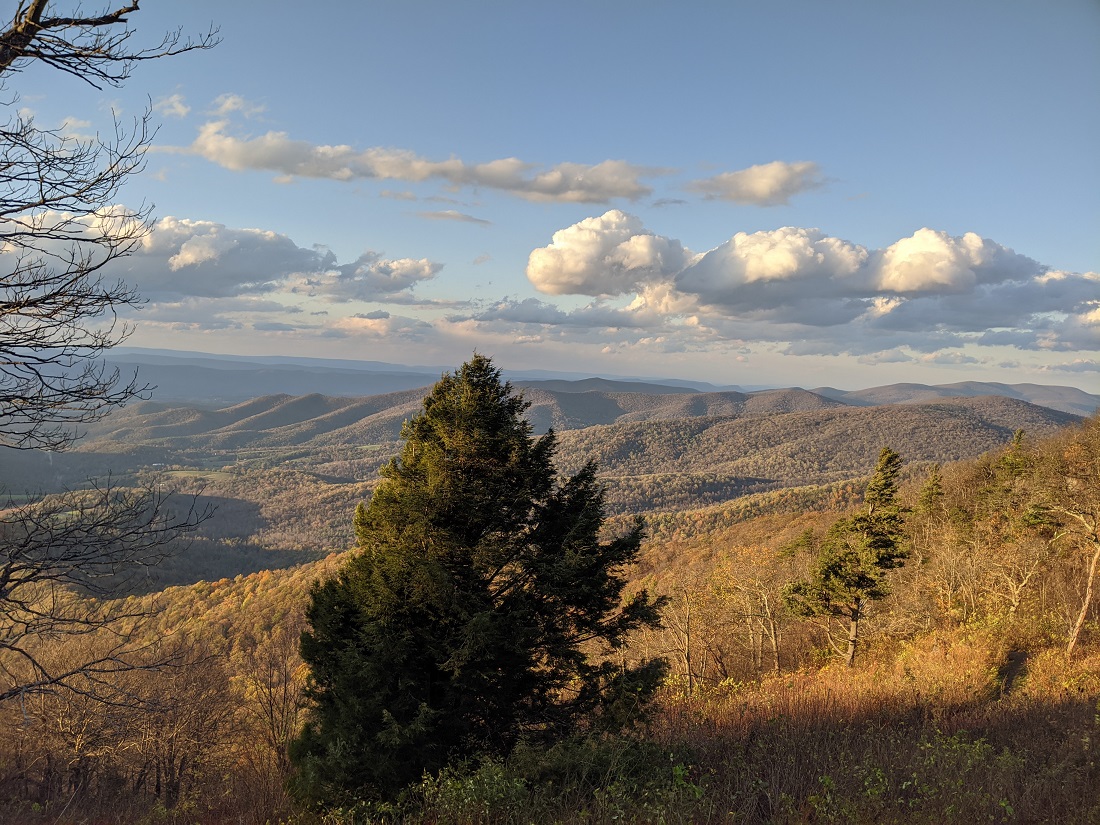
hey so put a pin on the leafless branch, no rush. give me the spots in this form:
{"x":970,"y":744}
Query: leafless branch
{"x":60,"y":226}
{"x":94,"y":48}
{"x":60,"y":230}
{"x":62,"y":558}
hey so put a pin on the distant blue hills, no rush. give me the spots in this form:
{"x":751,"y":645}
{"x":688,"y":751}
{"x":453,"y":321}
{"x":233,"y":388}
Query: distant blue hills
{"x":205,"y":379}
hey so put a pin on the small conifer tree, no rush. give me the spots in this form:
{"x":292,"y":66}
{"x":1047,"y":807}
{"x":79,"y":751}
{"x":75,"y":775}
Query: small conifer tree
{"x":931,"y":492}
{"x":850,"y":569}
{"x":466,"y":620}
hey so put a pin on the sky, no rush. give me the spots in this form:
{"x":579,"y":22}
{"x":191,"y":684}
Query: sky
{"x":761,"y":193}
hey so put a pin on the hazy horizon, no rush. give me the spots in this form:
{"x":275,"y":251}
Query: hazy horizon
{"x":432,"y":370}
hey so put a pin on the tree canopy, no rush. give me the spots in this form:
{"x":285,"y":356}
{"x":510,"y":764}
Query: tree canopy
{"x":477,"y":609}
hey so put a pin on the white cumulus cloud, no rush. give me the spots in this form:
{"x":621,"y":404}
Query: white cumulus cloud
{"x":183,"y":258}
{"x":368,"y":278}
{"x":931,"y":261}
{"x":608,"y":255}
{"x":204,"y":258}
{"x":766,"y":184}
{"x":766,"y":270}
{"x":930,"y":292}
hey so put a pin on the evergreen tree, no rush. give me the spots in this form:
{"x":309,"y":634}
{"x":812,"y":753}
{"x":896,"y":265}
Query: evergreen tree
{"x":466,"y":618}
{"x":931,"y":492}
{"x":850,"y":569}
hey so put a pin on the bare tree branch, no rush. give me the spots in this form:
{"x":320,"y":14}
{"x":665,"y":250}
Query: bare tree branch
{"x":92,"y":48}
{"x":61,"y":228}
{"x":62,"y":559}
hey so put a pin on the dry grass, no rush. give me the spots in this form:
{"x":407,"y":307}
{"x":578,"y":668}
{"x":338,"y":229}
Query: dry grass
{"x":930,"y":736}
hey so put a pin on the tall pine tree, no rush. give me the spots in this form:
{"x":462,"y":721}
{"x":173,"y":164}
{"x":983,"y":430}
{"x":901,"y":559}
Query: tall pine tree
{"x":466,"y":619}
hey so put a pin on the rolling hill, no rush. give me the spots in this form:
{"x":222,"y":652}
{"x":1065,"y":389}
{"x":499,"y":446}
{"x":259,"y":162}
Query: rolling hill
{"x":1064,"y":399}
{"x":218,"y":381}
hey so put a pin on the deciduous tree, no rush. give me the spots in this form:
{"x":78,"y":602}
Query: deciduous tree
{"x":60,"y":229}
{"x":1067,"y":484}
{"x":56,"y":556}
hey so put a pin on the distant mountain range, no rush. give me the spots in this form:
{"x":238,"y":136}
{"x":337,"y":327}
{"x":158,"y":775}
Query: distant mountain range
{"x":286,"y":466}
{"x":281,"y":421}
{"x":655,"y":450}
{"x":657,"y":446}
{"x":1065,"y":399}
{"x":217,"y":381}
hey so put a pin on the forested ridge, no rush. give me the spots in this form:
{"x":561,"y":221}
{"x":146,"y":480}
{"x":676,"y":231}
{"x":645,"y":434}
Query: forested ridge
{"x":657,"y":433}
{"x":299,"y":462}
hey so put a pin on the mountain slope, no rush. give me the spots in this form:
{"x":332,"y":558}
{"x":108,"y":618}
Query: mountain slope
{"x":679,"y":463}
{"x":1064,"y":399}
{"x":660,"y":421}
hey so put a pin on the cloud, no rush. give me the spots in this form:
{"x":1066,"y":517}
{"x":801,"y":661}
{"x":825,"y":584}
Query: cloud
{"x":276,"y":152}
{"x":953,"y":358}
{"x":211,"y":314}
{"x":930,"y":293}
{"x":931,"y":261}
{"x":890,"y":356}
{"x":452,"y":215}
{"x":783,"y":268}
{"x":77,"y":128}
{"x":527,"y":311}
{"x":1078,"y":365}
{"x":230,"y":103}
{"x":767,"y":184}
{"x":203,"y":258}
{"x":927,"y":299}
{"x":370,"y":277}
{"x":172,"y":106}
{"x":382,"y":325}
{"x":189,"y":307}
{"x":608,"y":255}
{"x":185,"y":259}
{"x":513,"y":313}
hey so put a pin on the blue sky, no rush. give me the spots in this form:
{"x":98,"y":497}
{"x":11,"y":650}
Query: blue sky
{"x":794,"y":193}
